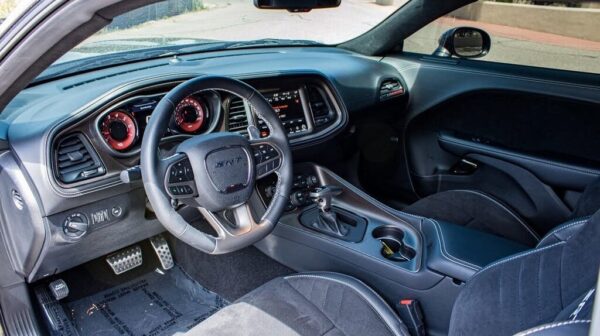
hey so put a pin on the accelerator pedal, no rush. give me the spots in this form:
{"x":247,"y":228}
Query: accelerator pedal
{"x":125,"y":259}
{"x":161,"y":247}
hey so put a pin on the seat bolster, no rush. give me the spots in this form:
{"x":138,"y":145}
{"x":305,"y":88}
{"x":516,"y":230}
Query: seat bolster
{"x":317,"y":303}
{"x":563,"y":232}
{"x":386,"y":314}
{"x":571,"y":328}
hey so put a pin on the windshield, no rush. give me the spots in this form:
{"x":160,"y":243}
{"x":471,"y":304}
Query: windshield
{"x":182,"y":23}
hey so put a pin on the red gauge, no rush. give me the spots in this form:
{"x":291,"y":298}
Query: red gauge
{"x":190,"y":115}
{"x":119,"y":130}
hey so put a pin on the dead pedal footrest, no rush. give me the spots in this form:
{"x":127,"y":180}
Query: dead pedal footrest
{"x":125,"y":259}
{"x":161,"y":247}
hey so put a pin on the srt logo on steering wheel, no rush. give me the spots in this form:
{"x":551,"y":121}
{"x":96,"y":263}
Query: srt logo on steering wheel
{"x":228,"y":163}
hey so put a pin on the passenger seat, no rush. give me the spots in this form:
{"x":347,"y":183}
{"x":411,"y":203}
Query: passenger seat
{"x":480,"y":211}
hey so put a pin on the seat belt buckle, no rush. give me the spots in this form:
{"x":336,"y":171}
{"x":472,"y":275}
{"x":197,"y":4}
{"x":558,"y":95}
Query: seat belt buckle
{"x":411,"y":314}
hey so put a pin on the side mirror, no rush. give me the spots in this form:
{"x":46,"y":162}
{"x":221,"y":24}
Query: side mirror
{"x":296,"y":5}
{"x":464,"y":42}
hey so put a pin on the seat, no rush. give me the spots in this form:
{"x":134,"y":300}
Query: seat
{"x":480,"y":211}
{"x":538,"y":292}
{"x":306,"y":304}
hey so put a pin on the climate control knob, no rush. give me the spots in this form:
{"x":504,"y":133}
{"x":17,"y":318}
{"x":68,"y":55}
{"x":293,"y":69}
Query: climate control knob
{"x":75,"y":225}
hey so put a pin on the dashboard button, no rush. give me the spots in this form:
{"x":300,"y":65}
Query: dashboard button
{"x":116,"y":211}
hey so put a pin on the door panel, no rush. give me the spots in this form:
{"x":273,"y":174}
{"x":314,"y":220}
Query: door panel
{"x":553,"y":172}
{"x":534,"y":138}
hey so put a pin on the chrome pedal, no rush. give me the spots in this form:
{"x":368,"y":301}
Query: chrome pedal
{"x":125,"y":259}
{"x":161,"y":247}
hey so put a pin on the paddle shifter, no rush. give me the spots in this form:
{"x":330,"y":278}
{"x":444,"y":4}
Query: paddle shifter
{"x":328,"y":219}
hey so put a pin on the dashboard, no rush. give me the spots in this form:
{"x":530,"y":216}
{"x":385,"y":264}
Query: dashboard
{"x":73,"y":138}
{"x":87,"y":152}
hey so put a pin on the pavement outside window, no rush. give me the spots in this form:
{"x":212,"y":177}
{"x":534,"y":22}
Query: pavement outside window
{"x":571,"y":44}
{"x":530,"y":39}
{"x":238,"y":20}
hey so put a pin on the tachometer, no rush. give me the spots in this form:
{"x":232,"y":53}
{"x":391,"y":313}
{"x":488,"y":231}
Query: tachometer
{"x":190,"y":115}
{"x":119,"y":130}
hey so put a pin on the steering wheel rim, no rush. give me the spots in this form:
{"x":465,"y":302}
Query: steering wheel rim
{"x":209,"y":157}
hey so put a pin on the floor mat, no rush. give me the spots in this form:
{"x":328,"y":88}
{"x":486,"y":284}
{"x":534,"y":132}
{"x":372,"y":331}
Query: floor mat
{"x":232,"y":274}
{"x":158,"y":303}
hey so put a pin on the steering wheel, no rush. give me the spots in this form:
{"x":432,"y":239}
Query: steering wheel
{"x":216,"y":172}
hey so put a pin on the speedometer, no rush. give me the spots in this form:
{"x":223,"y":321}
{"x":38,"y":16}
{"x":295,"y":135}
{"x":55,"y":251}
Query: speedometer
{"x":190,"y":114}
{"x":119,"y":130}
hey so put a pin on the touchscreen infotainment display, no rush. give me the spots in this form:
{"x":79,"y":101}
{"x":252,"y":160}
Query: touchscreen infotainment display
{"x":288,"y":106}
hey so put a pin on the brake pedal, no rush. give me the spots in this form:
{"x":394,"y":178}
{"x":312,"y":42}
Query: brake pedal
{"x":125,"y":259}
{"x":161,"y":247}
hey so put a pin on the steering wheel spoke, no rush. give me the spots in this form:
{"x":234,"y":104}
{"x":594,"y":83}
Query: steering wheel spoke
{"x":267,"y":157}
{"x":179,"y":177}
{"x":241,"y":223}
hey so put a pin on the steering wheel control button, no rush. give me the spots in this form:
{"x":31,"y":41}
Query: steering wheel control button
{"x":180,"y":183}
{"x":266,"y":159}
{"x":181,"y":172}
{"x":75,"y":225}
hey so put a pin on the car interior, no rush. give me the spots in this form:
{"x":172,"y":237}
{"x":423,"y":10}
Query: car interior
{"x":273,"y":187}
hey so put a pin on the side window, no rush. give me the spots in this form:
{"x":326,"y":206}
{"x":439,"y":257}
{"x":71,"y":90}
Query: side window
{"x":561,"y":34}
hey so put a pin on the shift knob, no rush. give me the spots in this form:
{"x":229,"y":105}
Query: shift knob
{"x":323,"y":195}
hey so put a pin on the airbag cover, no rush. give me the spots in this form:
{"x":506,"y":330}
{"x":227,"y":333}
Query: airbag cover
{"x":223,"y":169}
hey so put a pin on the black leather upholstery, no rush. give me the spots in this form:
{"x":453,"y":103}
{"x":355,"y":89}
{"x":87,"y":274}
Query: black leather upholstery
{"x":460,"y":252}
{"x":483,"y":212}
{"x":306,"y":304}
{"x":539,"y":286}
{"x":475,"y":210}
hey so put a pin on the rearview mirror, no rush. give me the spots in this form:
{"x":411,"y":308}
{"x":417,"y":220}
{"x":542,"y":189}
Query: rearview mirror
{"x":464,"y":42}
{"x":296,"y":5}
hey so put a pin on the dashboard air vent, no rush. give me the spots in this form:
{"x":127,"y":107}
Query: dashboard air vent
{"x":75,"y":160}
{"x":318,"y":104}
{"x":321,"y":111}
{"x":238,"y":119}
{"x":391,"y":88}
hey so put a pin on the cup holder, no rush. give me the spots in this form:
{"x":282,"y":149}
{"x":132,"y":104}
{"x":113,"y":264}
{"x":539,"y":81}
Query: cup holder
{"x":393,"y":247}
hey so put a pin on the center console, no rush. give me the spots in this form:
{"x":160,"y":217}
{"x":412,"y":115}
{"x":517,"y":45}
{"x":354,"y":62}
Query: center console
{"x":332,"y":225}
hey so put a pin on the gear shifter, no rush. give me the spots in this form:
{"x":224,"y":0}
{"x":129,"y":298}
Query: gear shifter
{"x":327,"y":218}
{"x":332,"y":221}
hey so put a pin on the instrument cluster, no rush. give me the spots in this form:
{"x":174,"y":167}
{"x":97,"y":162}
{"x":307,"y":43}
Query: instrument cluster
{"x":122,"y":127}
